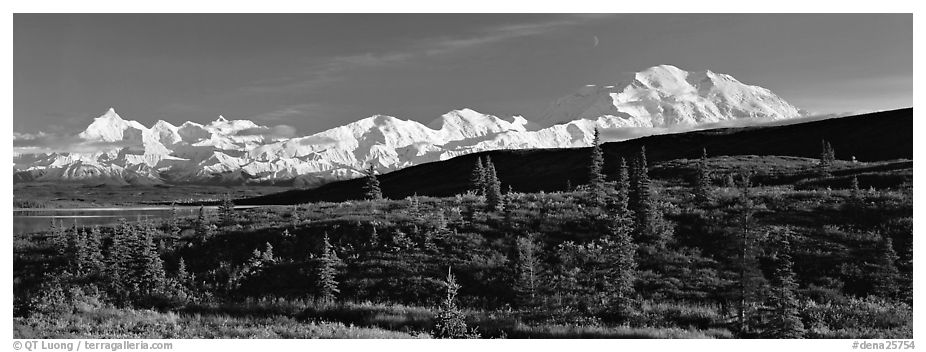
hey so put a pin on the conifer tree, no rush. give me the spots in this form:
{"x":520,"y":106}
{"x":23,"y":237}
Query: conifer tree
{"x":325,"y":272}
{"x":477,"y":179}
{"x":784,"y":321}
{"x":227,"y":210}
{"x":371,"y":189}
{"x":267,"y":255}
{"x":621,"y":267}
{"x":855,"y":193}
{"x":183,"y":275}
{"x":81,"y":254}
{"x":203,"y":226}
{"x":294,"y":215}
{"x":596,"y":180}
{"x":173,"y":222}
{"x":146,"y":264}
{"x":450,"y":322}
{"x":749,"y":273}
{"x":493,"y":187}
{"x":95,"y":249}
{"x":374,"y":237}
{"x":59,"y":238}
{"x":702,"y":180}
{"x":120,"y":251}
{"x":622,"y":202}
{"x":649,"y":226}
{"x":827,"y":157}
{"x":527,"y":267}
{"x":885,"y":275}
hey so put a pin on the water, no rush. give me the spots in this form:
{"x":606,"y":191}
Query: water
{"x":35,"y":220}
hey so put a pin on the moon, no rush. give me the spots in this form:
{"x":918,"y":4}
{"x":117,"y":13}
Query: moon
{"x":596,"y":41}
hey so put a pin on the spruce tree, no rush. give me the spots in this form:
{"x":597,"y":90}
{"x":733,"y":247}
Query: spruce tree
{"x":702,"y":185}
{"x":227,"y":210}
{"x":621,"y":210}
{"x":95,"y":249}
{"x":59,"y":237}
{"x":784,"y":321}
{"x":146,"y":264}
{"x":527,"y":267}
{"x":325,"y":272}
{"x":885,"y":276}
{"x":450,"y":322}
{"x":596,"y":180}
{"x":371,"y":189}
{"x":621,"y":267}
{"x":827,"y":157}
{"x":493,"y":187}
{"x":120,"y":251}
{"x":183,"y":275}
{"x":749,"y":273}
{"x":649,"y":226}
{"x":173,"y":222}
{"x":203,"y":226}
{"x":855,"y":194}
{"x":477,"y":179}
{"x":266,"y":256}
{"x":294,"y":216}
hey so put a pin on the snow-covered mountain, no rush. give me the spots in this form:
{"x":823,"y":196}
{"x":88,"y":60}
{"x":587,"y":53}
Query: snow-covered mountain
{"x":666,"y":96}
{"x":235,"y":151}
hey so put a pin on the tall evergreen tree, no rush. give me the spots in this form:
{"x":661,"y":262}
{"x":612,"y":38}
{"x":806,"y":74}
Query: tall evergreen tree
{"x":203,"y":226}
{"x":173,"y":221}
{"x":493,"y":187}
{"x":528,"y":271}
{"x":622,"y":202}
{"x":477,"y":179}
{"x":702,"y":187}
{"x":59,"y":237}
{"x":596,"y":180}
{"x":450,"y":322}
{"x":183,"y":274}
{"x":95,"y":249}
{"x":147,"y":266}
{"x":827,"y":157}
{"x":749,"y":274}
{"x":371,"y":189}
{"x":885,"y":276}
{"x":325,"y":272}
{"x":227,"y":211}
{"x":119,"y":254}
{"x":649,"y":226}
{"x":784,"y":320}
{"x":294,"y":216}
{"x":621,"y":264}
{"x":855,"y":193}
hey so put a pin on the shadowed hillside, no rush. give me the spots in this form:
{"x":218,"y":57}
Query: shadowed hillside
{"x":877,"y":136}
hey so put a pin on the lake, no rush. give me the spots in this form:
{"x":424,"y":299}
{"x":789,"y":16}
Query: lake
{"x":38,"y":219}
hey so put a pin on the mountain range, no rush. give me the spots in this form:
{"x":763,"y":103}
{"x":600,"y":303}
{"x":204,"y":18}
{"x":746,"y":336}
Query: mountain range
{"x":242,"y":152}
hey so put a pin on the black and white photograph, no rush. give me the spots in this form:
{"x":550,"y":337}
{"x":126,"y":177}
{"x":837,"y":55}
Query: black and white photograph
{"x":461,"y":175}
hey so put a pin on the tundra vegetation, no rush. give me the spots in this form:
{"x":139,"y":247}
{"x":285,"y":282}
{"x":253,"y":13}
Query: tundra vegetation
{"x":708,"y":247}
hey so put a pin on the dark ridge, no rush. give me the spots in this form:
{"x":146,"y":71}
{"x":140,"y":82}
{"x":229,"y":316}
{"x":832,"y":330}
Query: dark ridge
{"x":885,"y":135}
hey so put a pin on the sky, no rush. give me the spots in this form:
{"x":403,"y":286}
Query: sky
{"x":317,"y":71}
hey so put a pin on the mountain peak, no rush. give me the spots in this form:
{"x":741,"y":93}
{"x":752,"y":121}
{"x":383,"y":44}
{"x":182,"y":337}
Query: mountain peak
{"x":221,"y":119}
{"x":665,"y":96}
{"x":110,"y":114}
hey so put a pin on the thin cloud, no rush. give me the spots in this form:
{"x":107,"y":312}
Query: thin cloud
{"x":44,"y":143}
{"x":332,"y":70}
{"x":275,"y":132}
